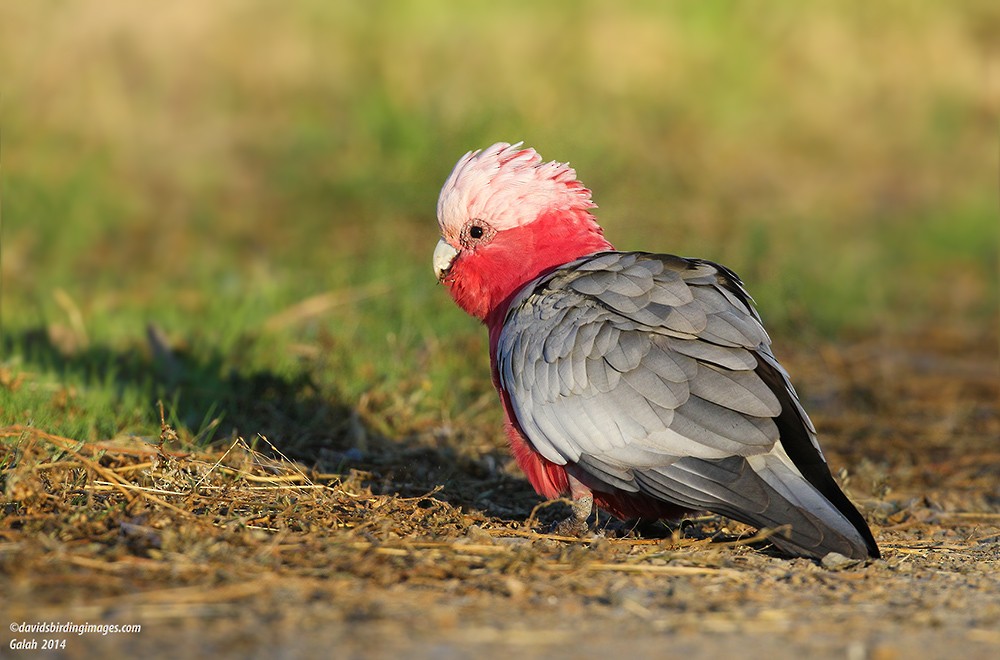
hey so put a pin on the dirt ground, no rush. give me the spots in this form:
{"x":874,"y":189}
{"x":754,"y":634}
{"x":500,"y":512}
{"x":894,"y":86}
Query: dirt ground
{"x":407,"y":547}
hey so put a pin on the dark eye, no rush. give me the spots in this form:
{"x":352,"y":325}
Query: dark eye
{"x":475,"y":231}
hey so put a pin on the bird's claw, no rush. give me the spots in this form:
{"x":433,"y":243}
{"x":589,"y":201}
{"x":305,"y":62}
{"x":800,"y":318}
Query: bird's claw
{"x":577,"y":523}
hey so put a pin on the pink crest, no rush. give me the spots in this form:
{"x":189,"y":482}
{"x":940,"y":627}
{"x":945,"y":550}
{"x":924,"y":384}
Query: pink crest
{"x":508,"y":187}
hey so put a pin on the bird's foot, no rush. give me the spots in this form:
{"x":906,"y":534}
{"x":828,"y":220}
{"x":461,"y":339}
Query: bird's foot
{"x":577,"y":524}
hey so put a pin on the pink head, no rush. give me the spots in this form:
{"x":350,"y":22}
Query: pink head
{"x":506,"y":218}
{"x":507,"y":187}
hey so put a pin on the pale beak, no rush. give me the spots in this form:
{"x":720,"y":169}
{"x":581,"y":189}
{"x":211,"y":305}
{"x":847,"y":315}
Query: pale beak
{"x":444,"y":255}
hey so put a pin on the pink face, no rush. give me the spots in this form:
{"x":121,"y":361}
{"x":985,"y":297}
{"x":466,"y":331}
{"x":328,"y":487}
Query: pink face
{"x":505,"y":216}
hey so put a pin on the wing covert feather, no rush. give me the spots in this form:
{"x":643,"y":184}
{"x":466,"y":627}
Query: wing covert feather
{"x":625,"y":357}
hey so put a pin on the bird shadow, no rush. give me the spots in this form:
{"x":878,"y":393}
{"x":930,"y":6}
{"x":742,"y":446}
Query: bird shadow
{"x":211,"y":403}
{"x":710,"y":529}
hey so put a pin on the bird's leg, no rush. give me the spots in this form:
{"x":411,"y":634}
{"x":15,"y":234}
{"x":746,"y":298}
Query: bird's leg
{"x":582,"y":507}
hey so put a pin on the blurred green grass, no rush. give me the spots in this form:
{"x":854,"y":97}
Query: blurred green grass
{"x":205,"y":167}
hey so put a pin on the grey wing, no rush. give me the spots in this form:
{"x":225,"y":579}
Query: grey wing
{"x":652,"y":336}
{"x":653,"y":374}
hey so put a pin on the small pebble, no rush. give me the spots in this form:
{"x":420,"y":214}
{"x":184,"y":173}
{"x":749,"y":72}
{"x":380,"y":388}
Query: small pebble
{"x":835,"y":561}
{"x":477,"y":534}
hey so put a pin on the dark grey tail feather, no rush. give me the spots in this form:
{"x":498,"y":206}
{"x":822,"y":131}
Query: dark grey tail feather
{"x":730,"y":487}
{"x":795,"y":439}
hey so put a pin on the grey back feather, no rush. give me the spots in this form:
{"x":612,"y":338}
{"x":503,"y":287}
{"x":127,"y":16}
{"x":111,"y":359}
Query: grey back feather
{"x":624,"y":349}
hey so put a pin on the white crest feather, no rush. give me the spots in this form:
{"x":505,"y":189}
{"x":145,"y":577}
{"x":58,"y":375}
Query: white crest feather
{"x":507,"y":186}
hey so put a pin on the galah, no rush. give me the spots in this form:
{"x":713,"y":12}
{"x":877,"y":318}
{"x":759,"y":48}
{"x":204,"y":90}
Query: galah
{"x":641,"y":383}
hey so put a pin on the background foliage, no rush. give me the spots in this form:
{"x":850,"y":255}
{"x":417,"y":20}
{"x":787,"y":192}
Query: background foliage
{"x":230,"y":205}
